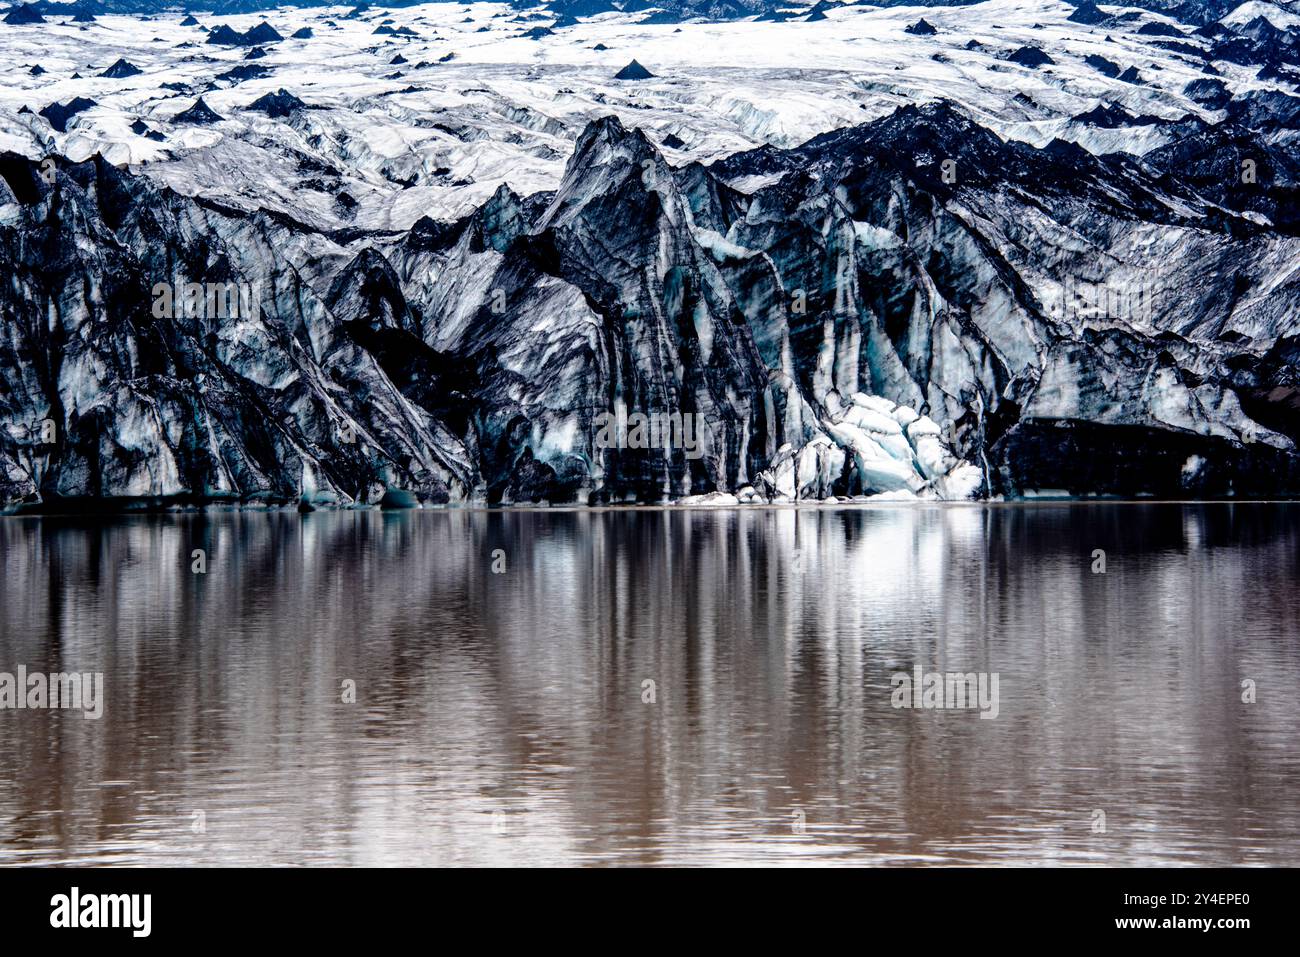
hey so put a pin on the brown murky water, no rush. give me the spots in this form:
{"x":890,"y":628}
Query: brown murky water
{"x":500,"y":718}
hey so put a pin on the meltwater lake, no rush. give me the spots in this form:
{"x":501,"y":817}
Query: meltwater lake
{"x":657,"y":687}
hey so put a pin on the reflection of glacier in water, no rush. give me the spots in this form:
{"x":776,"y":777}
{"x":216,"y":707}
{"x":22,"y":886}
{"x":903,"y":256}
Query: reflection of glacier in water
{"x":500,"y":717}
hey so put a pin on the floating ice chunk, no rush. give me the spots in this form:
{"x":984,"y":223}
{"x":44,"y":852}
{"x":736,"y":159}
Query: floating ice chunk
{"x":898,"y":496}
{"x":715,"y":499}
{"x":895,"y":449}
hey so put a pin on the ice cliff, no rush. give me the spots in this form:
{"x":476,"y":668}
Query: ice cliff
{"x":913,"y":306}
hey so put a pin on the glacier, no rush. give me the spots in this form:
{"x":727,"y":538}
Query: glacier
{"x":870,"y":288}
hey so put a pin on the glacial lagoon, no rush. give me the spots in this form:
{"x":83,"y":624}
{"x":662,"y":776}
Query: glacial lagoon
{"x":654,"y":687}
